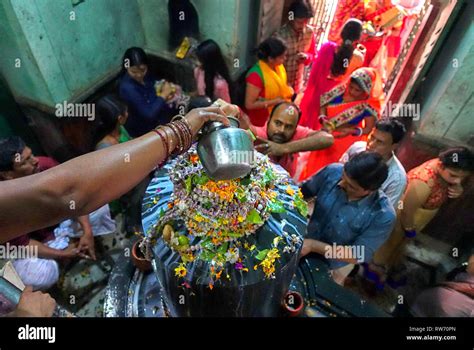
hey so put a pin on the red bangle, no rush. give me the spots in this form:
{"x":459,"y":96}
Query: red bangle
{"x":188,"y":136}
{"x":178,"y":134}
{"x":165,"y":144}
{"x":240,"y":112}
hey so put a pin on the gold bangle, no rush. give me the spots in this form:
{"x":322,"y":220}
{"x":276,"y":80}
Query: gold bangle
{"x":177,"y":117}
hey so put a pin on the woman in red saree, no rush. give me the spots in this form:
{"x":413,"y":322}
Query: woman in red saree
{"x":332,"y":66}
{"x":349,"y":111}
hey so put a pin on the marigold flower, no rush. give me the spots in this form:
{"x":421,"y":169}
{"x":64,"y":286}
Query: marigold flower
{"x":180,"y":271}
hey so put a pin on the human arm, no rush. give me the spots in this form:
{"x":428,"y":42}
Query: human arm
{"x":311,"y":187}
{"x":46,"y":252}
{"x":369,"y":125}
{"x":252,"y":94}
{"x":315,"y":141}
{"x":314,"y":246}
{"x":308,"y":56}
{"x":85,"y":183}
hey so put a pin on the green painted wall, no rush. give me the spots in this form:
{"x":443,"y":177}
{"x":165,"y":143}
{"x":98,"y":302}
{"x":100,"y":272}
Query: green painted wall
{"x":447,"y":112}
{"x":231,"y":23}
{"x":65,"y":53}
{"x":26,"y":79}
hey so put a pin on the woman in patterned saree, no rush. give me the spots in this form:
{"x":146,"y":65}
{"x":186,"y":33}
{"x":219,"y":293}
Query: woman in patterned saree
{"x":332,"y":66}
{"x":349,"y":111}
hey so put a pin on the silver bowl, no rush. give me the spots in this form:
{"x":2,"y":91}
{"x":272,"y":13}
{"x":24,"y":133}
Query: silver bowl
{"x":226,"y":152}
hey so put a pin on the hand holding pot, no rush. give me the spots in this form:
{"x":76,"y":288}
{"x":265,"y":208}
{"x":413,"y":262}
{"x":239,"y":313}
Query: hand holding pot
{"x":199,"y":116}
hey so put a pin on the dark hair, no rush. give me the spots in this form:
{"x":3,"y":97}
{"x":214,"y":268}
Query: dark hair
{"x":210,"y":56}
{"x":271,"y":48}
{"x":199,"y":102}
{"x":368,"y":169}
{"x":108,"y":109}
{"x":285,"y":103}
{"x":457,"y":158}
{"x":351,"y":32}
{"x":134,"y":56}
{"x":301,"y":9}
{"x":10,"y":146}
{"x":393,"y":127}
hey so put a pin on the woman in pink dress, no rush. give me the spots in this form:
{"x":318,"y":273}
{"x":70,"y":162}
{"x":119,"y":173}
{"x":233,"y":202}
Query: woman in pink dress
{"x":212,"y":75}
{"x":333,"y":65}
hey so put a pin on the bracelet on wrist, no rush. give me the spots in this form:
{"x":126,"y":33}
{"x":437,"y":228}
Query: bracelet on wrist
{"x":410,"y":233}
{"x":178,"y":129}
{"x":358,"y":132}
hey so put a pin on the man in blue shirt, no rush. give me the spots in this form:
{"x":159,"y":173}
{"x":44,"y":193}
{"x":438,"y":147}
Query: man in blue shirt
{"x":352,"y":217}
{"x":384,"y":139}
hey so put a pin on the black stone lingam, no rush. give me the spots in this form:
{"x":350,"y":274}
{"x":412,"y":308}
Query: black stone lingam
{"x":245,"y":292}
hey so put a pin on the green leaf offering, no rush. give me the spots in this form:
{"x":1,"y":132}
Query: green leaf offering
{"x":207,"y":244}
{"x":207,"y":255}
{"x":276,"y":207}
{"x":254,"y":217}
{"x":232,"y":234}
{"x":301,"y":205}
{"x":268,"y":176}
{"x":245,"y":181}
{"x":262,"y":254}
{"x":240,"y":194}
{"x":223,"y":248}
{"x":183,"y":240}
{"x":200,"y":180}
{"x":188,"y":184}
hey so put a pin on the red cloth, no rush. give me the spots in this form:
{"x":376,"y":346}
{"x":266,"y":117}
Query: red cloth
{"x":320,"y":158}
{"x":45,"y":163}
{"x":372,"y":46}
{"x":258,"y":117}
{"x":289,"y":161}
{"x":319,"y":82}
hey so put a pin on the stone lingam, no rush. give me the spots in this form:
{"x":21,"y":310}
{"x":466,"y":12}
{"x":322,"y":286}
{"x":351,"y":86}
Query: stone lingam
{"x":223,"y":248}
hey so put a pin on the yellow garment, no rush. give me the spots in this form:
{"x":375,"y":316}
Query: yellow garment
{"x":357,"y":60}
{"x":275,"y":82}
{"x":391,"y":252}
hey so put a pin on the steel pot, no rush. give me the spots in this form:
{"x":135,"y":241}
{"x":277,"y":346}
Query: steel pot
{"x":226,"y":152}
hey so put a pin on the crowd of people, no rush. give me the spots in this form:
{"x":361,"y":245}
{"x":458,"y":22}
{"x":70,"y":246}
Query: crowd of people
{"x":327,"y":131}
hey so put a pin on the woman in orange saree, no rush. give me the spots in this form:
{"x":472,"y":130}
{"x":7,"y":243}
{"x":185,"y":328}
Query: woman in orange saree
{"x":349,"y":111}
